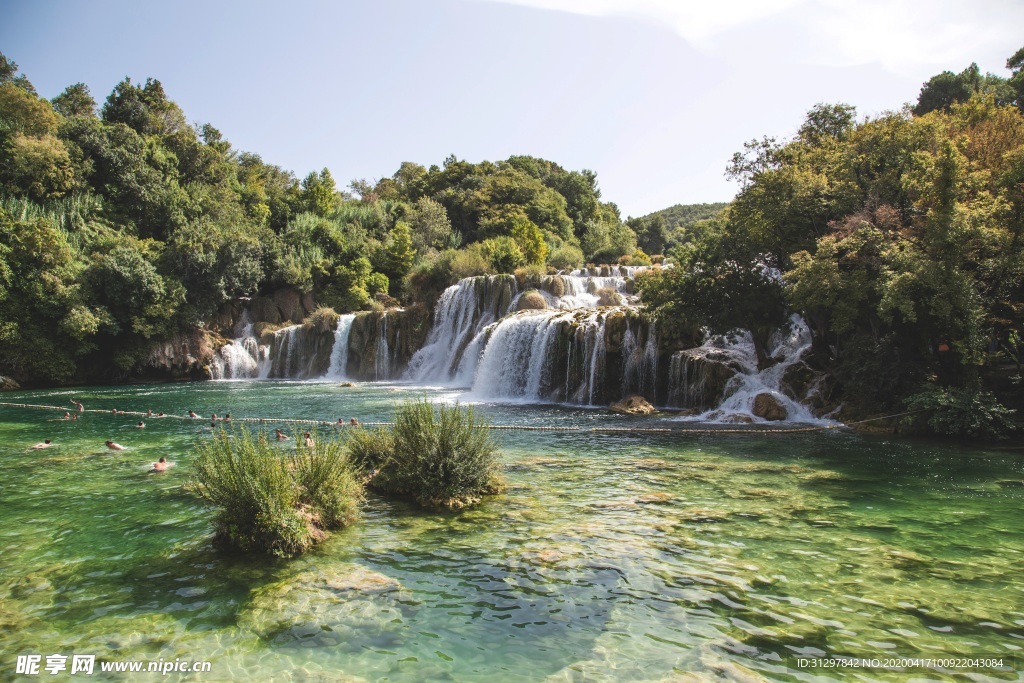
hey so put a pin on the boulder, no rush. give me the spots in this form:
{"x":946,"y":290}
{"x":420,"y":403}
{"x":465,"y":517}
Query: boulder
{"x":633,"y":405}
{"x":767,"y":407}
{"x":810,"y":387}
{"x":8,"y":384}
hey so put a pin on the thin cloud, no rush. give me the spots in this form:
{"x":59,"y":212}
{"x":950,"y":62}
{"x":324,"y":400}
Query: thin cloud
{"x":901,"y":35}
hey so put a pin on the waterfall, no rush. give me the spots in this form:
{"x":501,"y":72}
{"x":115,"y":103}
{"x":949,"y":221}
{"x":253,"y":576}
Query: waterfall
{"x":461,"y":314}
{"x":466,"y":310}
{"x":382,"y":360}
{"x":339,"y":352}
{"x":692,"y":371}
{"x":240,"y":357}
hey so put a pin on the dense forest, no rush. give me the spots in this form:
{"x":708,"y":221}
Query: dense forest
{"x":122,"y":225}
{"x":899,"y":238}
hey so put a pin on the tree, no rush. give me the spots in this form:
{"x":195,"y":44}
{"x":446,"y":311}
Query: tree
{"x":9,"y":74}
{"x":530,"y":240}
{"x":75,"y":100}
{"x":318,"y":192}
{"x":719,"y":284}
{"x":399,"y":253}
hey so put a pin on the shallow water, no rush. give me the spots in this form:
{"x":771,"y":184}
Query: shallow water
{"x":613,"y":556}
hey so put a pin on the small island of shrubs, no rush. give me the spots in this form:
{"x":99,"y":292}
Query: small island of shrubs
{"x":284,"y":503}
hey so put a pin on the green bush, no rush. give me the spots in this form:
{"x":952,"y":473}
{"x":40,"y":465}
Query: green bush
{"x":961,"y":412}
{"x":272,"y":502}
{"x":566,"y":257}
{"x":440,"y":456}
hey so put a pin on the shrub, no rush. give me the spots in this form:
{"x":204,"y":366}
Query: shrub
{"x":566,"y":257}
{"x":470,"y":262}
{"x":608,"y":296}
{"x":440,"y":456}
{"x":270,"y":502}
{"x":504,"y":254}
{"x":322,"y":320}
{"x":532,"y":300}
{"x":962,"y":412}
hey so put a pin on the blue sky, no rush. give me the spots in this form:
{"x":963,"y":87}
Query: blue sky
{"x":653,"y":95}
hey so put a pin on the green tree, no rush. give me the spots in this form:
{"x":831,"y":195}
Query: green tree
{"x":75,"y":100}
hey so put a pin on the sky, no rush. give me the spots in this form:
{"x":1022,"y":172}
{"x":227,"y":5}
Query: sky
{"x":653,"y":95}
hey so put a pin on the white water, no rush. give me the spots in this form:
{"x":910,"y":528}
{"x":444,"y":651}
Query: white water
{"x":461,"y":333}
{"x":740,"y":392}
{"x":339,"y":352}
{"x":240,"y":357}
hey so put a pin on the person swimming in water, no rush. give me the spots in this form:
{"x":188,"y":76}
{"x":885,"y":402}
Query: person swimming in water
{"x":281,"y":436}
{"x":192,"y":414}
{"x":114,"y":446}
{"x":44,"y":444}
{"x":78,"y":405}
{"x":140,"y":425}
{"x":354,"y":422}
{"x":308,"y":439}
{"x":161,"y":465}
{"x":67,"y":416}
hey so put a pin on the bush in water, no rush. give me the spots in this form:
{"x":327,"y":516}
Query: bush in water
{"x":271,"y":502}
{"x":440,"y":456}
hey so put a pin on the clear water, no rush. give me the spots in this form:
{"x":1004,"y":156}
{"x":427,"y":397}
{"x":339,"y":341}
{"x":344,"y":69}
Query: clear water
{"x":612,"y":557}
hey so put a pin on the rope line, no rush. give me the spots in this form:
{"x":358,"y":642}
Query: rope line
{"x":527,"y":428}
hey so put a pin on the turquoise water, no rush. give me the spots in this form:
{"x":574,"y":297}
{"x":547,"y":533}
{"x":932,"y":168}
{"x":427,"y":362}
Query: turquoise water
{"x":619,"y":557}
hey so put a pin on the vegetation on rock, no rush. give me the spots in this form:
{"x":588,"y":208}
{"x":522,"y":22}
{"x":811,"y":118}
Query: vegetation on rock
{"x":270,"y":501}
{"x":441,"y":456}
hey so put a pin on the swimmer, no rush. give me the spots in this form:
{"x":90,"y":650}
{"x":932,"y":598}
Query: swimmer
{"x":354,"y":422}
{"x":192,"y":413}
{"x":140,"y":425}
{"x":79,"y":405}
{"x":74,"y":417}
{"x":44,"y":444}
{"x":281,"y":436}
{"x":227,"y":417}
{"x":214,"y":418}
{"x":114,"y":446}
{"x":340,"y":422}
{"x":160,"y":414}
{"x":162,"y":465}
{"x":149,"y":413}
{"x":308,"y":439}
{"x":67,"y":416}
{"x":114,"y":411}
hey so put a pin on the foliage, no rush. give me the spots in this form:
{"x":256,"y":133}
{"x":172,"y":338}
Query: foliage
{"x":963,"y":412}
{"x":127,"y":226}
{"x":440,"y":456}
{"x":271,"y":502}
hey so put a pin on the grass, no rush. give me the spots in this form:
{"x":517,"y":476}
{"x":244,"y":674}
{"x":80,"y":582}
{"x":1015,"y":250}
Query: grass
{"x":275,"y":502}
{"x":440,"y":456}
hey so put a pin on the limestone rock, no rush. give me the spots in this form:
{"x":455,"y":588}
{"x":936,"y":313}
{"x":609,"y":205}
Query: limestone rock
{"x":8,"y":384}
{"x":633,"y":405}
{"x":768,"y":407}
{"x":699,"y":378}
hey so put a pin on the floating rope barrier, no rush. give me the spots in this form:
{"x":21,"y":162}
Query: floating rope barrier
{"x":724,"y":429}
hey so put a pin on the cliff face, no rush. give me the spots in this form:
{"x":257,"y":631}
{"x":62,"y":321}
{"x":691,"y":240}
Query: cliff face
{"x":381,"y":343}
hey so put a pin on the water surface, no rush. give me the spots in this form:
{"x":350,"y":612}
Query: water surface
{"x":612,"y":556}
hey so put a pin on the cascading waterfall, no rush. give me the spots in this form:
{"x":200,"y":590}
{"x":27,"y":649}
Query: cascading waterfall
{"x":339,"y":352}
{"x":382,"y":360}
{"x":467,"y":311}
{"x":240,"y":357}
{"x":690,"y":373}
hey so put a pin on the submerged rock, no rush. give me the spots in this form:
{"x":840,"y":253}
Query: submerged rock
{"x":768,"y":407}
{"x":633,"y":405}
